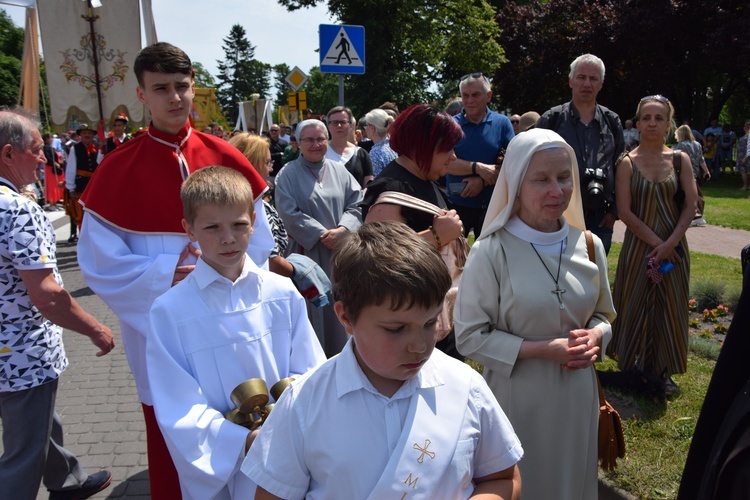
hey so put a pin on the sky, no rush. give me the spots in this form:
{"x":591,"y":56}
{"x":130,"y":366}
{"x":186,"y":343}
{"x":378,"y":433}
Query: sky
{"x":199,"y":27}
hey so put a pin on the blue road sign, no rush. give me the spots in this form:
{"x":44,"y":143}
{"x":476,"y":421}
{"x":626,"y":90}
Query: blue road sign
{"x":342,"y":49}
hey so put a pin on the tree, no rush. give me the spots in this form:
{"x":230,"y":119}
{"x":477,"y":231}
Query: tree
{"x":322,"y":91}
{"x":240,"y":74}
{"x":648,"y":47}
{"x":203,"y":79}
{"x":416,"y":50}
{"x":282,"y":88}
{"x":11,"y":52}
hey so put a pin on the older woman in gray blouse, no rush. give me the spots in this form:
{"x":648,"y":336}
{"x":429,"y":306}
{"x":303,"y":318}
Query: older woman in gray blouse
{"x":318,"y":200}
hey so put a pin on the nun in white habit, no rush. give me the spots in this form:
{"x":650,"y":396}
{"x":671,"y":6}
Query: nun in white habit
{"x":536,"y":312}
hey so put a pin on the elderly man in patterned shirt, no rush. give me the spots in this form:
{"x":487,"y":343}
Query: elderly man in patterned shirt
{"x":34,"y":308}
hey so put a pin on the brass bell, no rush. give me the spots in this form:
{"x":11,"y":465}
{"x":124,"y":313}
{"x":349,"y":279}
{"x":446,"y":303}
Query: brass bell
{"x":280,"y":386}
{"x":250,"y":396}
{"x":239,"y":418}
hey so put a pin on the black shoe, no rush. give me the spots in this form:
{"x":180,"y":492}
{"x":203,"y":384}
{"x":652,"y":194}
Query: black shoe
{"x":73,"y":239}
{"x":94,"y":484}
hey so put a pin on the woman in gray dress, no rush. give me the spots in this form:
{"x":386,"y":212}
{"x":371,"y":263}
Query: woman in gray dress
{"x":318,"y":200}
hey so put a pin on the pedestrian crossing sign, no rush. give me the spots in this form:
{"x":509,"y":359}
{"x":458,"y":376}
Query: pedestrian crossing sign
{"x":342,"y":49}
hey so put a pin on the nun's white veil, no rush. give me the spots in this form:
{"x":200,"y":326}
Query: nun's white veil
{"x":517,"y":158}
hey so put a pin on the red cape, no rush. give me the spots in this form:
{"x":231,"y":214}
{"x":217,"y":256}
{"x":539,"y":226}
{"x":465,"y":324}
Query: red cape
{"x":137,"y":186}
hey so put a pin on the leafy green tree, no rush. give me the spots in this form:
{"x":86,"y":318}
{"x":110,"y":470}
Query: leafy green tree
{"x":11,"y":52}
{"x":687,"y":50}
{"x":415,"y":50}
{"x":240,"y":74}
{"x":322,"y":91}
{"x":203,"y":79}
{"x":282,"y":88}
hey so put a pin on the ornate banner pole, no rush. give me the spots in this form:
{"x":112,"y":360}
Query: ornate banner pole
{"x":91,"y":18}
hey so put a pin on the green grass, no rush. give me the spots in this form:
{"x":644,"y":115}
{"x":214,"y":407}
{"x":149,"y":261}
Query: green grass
{"x":657,"y":440}
{"x":726,"y":204}
{"x":703,"y":267}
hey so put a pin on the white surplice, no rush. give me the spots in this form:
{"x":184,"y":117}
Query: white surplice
{"x":208,"y":336}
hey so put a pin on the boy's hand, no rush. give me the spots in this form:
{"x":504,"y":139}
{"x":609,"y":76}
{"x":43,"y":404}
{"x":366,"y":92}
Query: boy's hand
{"x":250,"y":438}
{"x":182,"y":270}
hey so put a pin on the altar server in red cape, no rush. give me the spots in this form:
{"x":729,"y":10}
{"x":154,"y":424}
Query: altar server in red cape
{"x":132,"y":246}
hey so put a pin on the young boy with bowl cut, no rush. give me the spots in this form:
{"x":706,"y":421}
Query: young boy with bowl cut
{"x":388,"y":417}
{"x":228,"y":321}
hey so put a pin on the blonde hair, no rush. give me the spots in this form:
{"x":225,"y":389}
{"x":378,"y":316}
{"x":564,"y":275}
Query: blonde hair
{"x":215,"y":185}
{"x":254,"y":147}
{"x":683,"y":133}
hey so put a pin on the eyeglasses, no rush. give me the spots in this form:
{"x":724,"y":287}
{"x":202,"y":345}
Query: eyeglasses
{"x":514,"y":121}
{"x":269,"y":162}
{"x":314,"y":140}
{"x":338,"y":123}
{"x":474,"y":75}
{"x":655,"y":97}
{"x":274,"y":130}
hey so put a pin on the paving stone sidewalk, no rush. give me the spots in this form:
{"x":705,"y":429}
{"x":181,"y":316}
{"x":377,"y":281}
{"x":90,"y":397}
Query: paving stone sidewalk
{"x":706,"y":239}
{"x":97,"y":398}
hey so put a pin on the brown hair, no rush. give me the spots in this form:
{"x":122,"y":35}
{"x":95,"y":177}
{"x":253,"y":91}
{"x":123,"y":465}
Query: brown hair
{"x":387,"y":262}
{"x":215,"y":185}
{"x":162,"y":57}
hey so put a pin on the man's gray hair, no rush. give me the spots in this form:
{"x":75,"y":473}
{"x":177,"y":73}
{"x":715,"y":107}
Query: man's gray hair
{"x":586,"y":59}
{"x":470,"y":79}
{"x":17,"y":126}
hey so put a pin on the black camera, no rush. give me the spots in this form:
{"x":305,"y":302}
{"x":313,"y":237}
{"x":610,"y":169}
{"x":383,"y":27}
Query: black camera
{"x":595,"y":179}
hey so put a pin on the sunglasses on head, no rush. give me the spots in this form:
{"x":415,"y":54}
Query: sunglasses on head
{"x":656,"y":97}
{"x":474,"y":75}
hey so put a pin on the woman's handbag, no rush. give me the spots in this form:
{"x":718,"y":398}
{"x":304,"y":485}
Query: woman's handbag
{"x":611,"y":436}
{"x":454,"y":254}
{"x":679,"y":196}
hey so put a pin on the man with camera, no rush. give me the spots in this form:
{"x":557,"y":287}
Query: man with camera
{"x":595,"y":134}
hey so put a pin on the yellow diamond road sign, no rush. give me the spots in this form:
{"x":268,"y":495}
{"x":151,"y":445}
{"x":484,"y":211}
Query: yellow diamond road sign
{"x":296,"y":78}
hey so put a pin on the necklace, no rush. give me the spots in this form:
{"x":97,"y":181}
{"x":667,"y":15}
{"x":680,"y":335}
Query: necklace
{"x":322,"y":174}
{"x":558,"y":291}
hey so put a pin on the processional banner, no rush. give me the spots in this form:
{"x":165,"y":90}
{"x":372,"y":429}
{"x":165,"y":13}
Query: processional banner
{"x":68,"y":47}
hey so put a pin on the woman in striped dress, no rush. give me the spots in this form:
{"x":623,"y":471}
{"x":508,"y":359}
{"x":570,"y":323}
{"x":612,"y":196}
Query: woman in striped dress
{"x":650,"y":334}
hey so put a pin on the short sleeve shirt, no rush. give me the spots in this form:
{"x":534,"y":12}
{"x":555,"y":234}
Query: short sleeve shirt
{"x":31,"y":347}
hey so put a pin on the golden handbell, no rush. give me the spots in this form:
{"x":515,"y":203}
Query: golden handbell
{"x":251,"y":399}
{"x":280,"y":387}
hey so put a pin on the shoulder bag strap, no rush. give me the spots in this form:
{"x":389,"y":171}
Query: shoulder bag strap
{"x":590,"y":245}
{"x":592,"y":258}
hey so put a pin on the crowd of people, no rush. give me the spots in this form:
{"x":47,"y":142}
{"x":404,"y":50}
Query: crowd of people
{"x":347,"y":279}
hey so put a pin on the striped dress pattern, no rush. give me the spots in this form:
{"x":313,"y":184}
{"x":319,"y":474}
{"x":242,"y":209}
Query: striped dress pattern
{"x":651,"y":329}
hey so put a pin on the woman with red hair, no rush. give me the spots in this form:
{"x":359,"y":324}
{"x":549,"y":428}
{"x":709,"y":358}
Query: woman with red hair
{"x":424,"y":138}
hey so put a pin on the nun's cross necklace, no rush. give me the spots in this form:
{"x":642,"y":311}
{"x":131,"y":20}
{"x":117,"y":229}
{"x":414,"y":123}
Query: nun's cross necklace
{"x":558,"y":291}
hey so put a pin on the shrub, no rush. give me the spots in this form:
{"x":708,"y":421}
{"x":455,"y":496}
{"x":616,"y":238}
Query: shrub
{"x":732,"y":297}
{"x":708,"y":294}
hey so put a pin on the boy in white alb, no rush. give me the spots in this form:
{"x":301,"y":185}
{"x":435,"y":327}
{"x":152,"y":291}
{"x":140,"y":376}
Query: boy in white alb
{"x":388,"y":417}
{"x":226,"y":322}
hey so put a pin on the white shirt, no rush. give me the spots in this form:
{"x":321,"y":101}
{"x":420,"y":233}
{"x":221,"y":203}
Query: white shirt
{"x":332,"y":433}
{"x":128,"y":271}
{"x":341,"y":158}
{"x":208,"y":336}
{"x":70,"y":169}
